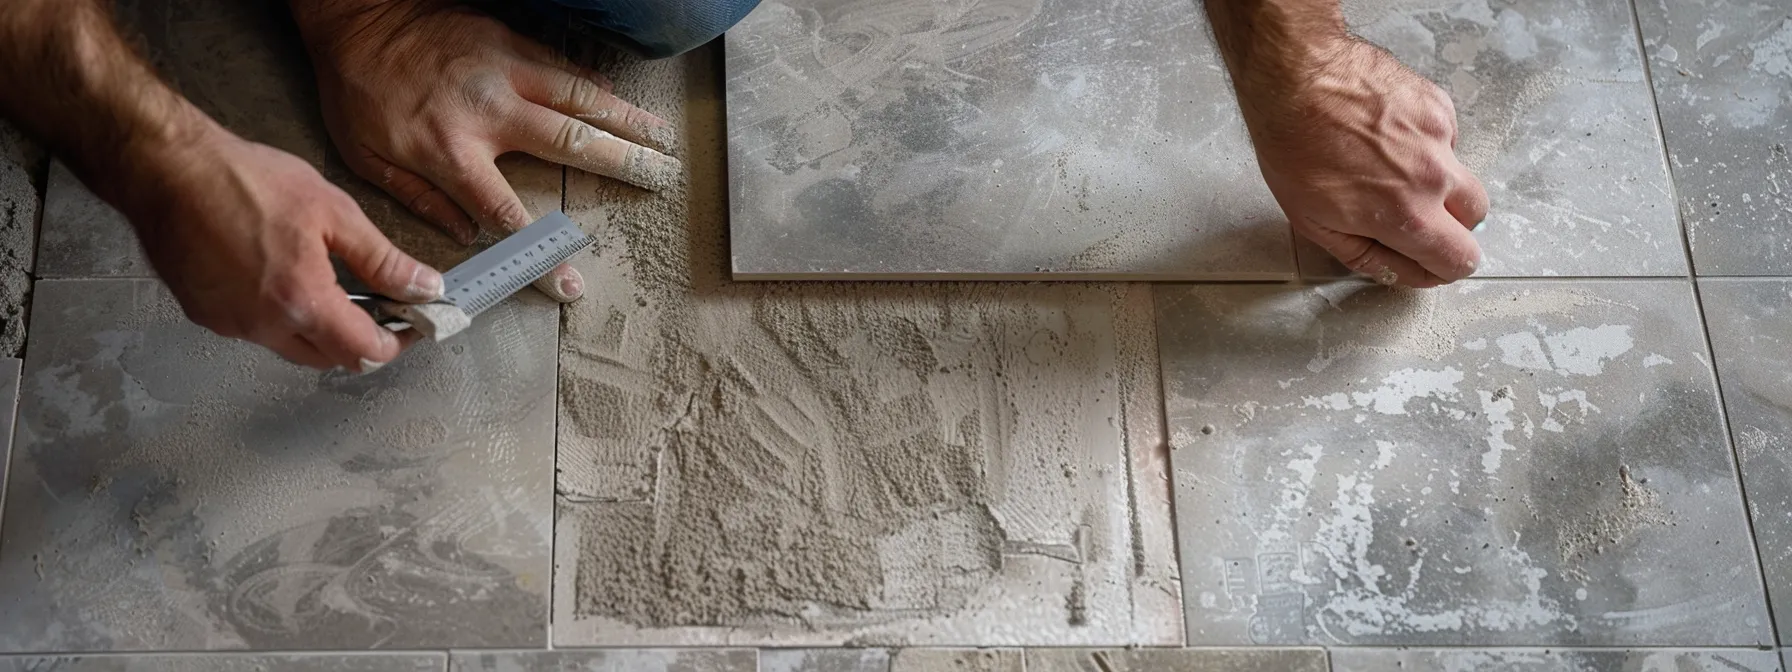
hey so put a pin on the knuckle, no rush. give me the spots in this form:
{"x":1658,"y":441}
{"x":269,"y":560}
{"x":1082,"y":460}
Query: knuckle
{"x":573,"y":135}
{"x":486,"y":93}
{"x":583,"y":94}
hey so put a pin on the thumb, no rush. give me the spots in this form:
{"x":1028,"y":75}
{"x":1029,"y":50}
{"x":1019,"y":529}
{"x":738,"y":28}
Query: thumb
{"x":380,"y":264}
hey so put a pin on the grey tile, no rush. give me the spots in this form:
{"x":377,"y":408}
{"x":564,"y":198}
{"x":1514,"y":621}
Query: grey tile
{"x":1557,"y":660}
{"x":1724,"y":86}
{"x":615,"y":660}
{"x":1031,"y":138}
{"x":1028,"y":506}
{"x":1751,"y":336}
{"x":1495,"y":463}
{"x":175,"y":490}
{"x":229,"y":662}
{"x":1176,"y":660}
{"x":9,"y":405}
{"x":958,"y":660}
{"x":824,"y":660}
{"x":1555,"y":118}
{"x":84,"y":237}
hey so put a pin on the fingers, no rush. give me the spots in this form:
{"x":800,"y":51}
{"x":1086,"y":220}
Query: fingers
{"x":1434,"y":239}
{"x":419,"y":195}
{"x":379,"y":263}
{"x":586,"y":96}
{"x":561,"y":139}
{"x":482,"y":189}
{"x":297,"y":350}
{"x":348,"y":337}
{"x":1372,"y":259}
{"x":1467,"y":199}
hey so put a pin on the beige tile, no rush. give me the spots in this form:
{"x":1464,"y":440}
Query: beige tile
{"x":958,"y":660}
{"x":1176,"y":660}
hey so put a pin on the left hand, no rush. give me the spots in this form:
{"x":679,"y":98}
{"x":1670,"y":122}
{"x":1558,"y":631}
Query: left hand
{"x":422,"y":96}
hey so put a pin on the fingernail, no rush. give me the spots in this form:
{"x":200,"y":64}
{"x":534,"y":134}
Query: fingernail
{"x":386,"y":337}
{"x":426,"y":284}
{"x":1479,"y":225}
{"x":572,"y":286}
{"x":370,"y":366}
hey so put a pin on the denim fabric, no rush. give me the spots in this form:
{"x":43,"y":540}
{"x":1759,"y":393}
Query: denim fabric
{"x":660,"y":28}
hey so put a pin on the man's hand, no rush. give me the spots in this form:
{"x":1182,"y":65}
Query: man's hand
{"x":243,"y":234}
{"x":421,"y":96}
{"x":1357,"y":148}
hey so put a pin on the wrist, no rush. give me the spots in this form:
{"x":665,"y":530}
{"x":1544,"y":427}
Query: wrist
{"x":154,"y":163}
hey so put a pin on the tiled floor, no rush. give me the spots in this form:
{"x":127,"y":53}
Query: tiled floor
{"x":1514,"y":474}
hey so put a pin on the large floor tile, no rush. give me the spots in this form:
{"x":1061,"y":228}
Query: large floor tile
{"x":1176,"y":660}
{"x":1555,"y":118}
{"x":1493,"y":463}
{"x":243,"y":64}
{"x":1558,"y":660}
{"x":1751,"y":336}
{"x":817,"y":465}
{"x":617,"y":660}
{"x":174,"y":490}
{"x":9,"y":404}
{"x":231,"y":662}
{"x":1724,"y":84}
{"x":1043,"y":138}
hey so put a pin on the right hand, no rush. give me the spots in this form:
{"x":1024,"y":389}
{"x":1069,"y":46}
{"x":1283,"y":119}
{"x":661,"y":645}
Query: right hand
{"x":1359,"y":152}
{"x":242,"y":234}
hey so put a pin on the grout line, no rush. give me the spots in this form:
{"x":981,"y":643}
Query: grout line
{"x":1698,"y":298}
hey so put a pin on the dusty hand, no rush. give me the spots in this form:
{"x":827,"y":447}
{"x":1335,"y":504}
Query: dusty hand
{"x":243,"y":233}
{"x":1360,"y":156}
{"x":422,"y":96}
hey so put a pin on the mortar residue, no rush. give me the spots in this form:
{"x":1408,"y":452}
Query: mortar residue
{"x":1637,"y":507}
{"x":829,"y":454}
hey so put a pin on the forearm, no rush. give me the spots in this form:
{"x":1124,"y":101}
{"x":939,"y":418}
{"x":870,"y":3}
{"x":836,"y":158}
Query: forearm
{"x":77,"y":85}
{"x":1270,"y":46}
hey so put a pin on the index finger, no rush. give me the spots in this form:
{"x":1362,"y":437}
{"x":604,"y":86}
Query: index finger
{"x":348,"y":336}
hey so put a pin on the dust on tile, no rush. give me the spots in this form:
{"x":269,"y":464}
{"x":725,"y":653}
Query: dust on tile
{"x":958,"y":660}
{"x":1723,"y":80}
{"x":1177,"y":660}
{"x":22,"y":165}
{"x":229,"y":662}
{"x":1493,"y":463}
{"x":614,"y":660}
{"x":176,"y":490}
{"x":824,"y":660}
{"x":1752,"y":340}
{"x":1553,"y":660}
{"x":1013,"y":138}
{"x":1555,"y":118}
{"x":873,"y":465}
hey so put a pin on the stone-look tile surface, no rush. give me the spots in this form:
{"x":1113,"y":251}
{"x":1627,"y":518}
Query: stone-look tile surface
{"x":1019,"y":138}
{"x":9,"y":403}
{"x":817,"y":465}
{"x":1723,"y":80}
{"x":231,"y":662}
{"x":619,"y":660}
{"x":958,"y":660}
{"x":175,"y":490}
{"x":1751,"y":336}
{"x":1176,"y":660}
{"x":824,"y":660}
{"x":1555,"y":118}
{"x":1494,"y":463}
{"x":243,"y":64}
{"x":1556,"y":660}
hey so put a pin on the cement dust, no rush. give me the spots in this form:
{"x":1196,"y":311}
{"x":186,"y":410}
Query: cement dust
{"x":836,"y":454}
{"x":1637,"y":507}
{"x":21,"y":180}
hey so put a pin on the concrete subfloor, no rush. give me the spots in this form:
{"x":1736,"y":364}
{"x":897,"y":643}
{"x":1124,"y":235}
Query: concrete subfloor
{"x":684,"y":472}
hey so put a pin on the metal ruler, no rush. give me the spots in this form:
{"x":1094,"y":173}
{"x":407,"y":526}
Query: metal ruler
{"x":514,"y":262}
{"x":482,"y":281}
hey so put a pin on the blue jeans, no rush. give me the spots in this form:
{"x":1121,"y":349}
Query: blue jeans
{"x":659,"y":28}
